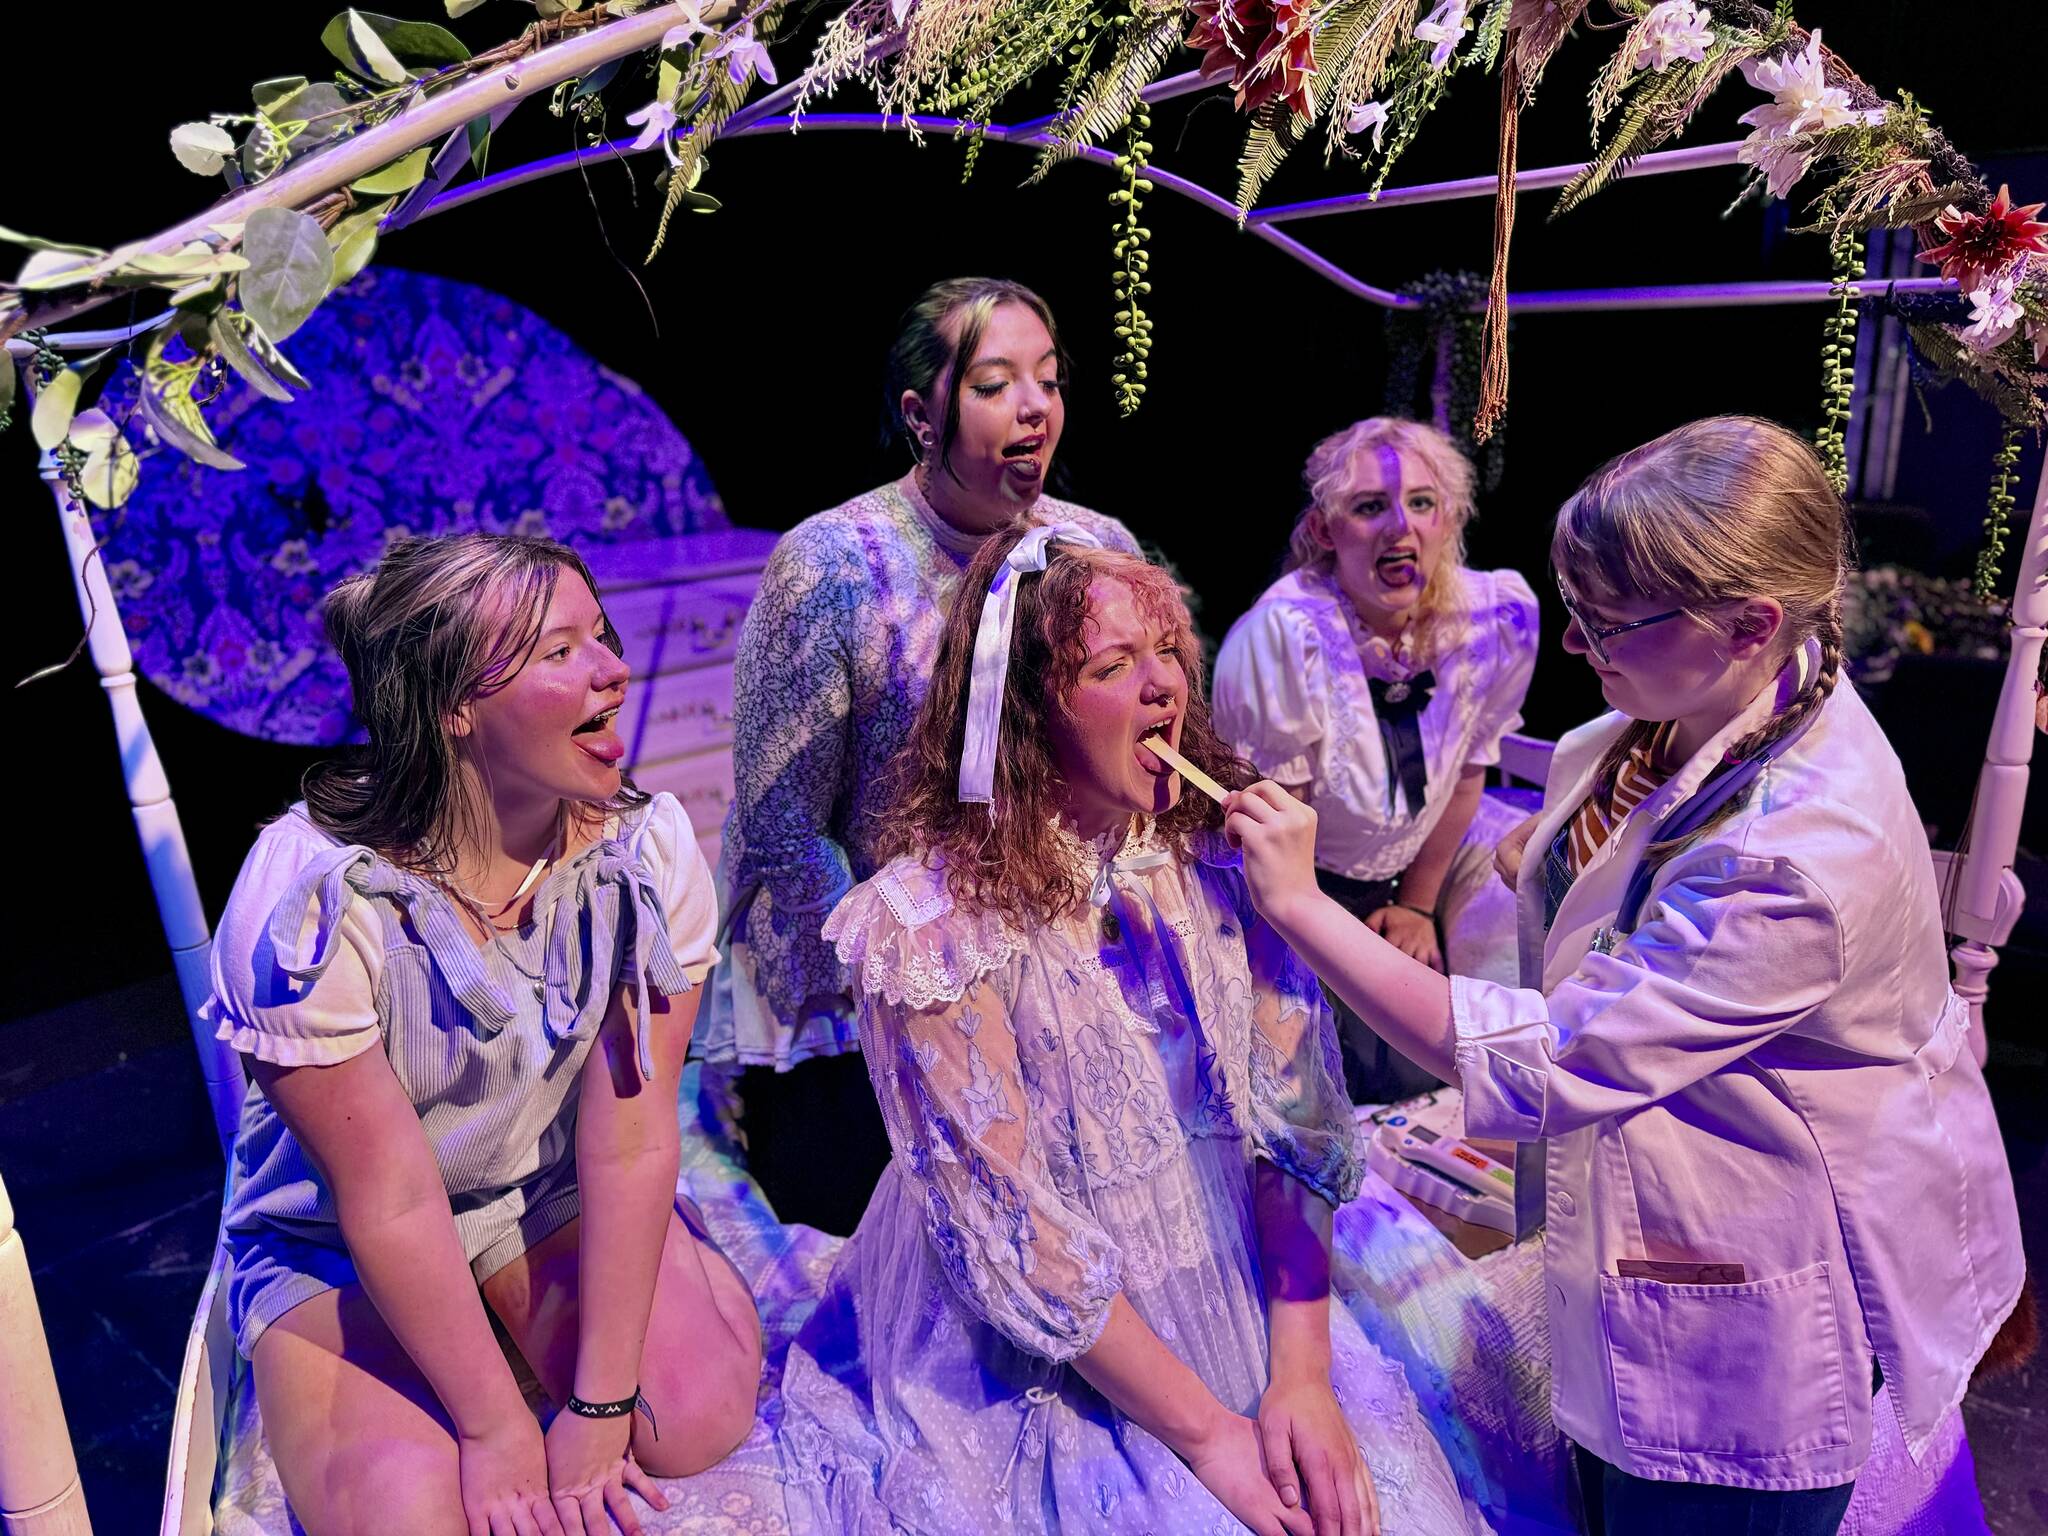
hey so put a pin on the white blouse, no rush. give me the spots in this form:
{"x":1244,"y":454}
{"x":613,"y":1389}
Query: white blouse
{"x":1293,"y":695}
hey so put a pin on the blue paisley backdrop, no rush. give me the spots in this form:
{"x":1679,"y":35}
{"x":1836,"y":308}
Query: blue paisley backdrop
{"x":436,"y":407}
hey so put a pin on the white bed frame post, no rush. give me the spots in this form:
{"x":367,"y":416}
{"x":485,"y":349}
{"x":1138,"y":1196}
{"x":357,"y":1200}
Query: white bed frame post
{"x":39,"y":1489}
{"x":1986,"y":895}
{"x":149,"y":793}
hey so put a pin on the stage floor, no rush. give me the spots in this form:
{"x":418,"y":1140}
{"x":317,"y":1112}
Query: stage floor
{"x":109,"y":1158}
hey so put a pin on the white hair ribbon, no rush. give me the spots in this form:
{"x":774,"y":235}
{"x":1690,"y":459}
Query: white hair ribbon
{"x":991,"y":673}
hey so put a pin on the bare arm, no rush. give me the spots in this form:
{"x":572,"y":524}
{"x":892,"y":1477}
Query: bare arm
{"x":1407,"y":1003}
{"x":1422,"y":883}
{"x":363,"y":1135}
{"x":628,"y":1149}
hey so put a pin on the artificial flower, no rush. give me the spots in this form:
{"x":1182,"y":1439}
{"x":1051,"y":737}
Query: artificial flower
{"x":1783,"y":161}
{"x":1995,"y":314}
{"x":1674,"y":30}
{"x":1371,"y":114}
{"x":2037,"y":334}
{"x":656,"y":120}
{"x":1445,"y":26}
{"x":692,"y":26}
{"x":742,"y":51}
{"x":1265,"y":47}
{"x":900,"y":9}
{"x":1802,"y":104}
{"x":1980,"y":246}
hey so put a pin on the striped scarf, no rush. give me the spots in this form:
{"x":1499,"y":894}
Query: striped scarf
{"x":1637,"y":780}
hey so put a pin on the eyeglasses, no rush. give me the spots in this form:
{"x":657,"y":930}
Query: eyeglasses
{"x":1597,"y":635}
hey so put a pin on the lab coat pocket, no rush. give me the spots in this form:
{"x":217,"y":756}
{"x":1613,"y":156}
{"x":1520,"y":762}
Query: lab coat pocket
{"x":1739,"y":1370}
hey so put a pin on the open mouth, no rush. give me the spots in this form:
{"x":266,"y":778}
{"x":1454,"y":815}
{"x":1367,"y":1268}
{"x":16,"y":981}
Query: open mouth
{"x":1022,"y":459}
{"x":1399,"y":568}
{"x":597,"y":737}
{"x":1159,"y":730}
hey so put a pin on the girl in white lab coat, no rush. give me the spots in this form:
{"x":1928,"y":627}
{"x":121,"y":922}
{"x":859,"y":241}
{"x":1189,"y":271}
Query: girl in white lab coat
{"x":1775,"y":1183}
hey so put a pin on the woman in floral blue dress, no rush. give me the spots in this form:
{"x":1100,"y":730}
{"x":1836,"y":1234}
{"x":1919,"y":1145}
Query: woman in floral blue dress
{"x":1091,"y":1291}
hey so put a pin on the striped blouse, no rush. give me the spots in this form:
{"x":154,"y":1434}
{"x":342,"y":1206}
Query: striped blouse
{"x":1637,"y":779}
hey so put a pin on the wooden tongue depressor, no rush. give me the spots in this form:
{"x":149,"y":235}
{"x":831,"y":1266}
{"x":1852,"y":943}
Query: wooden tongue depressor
{"x":1157,"y":746}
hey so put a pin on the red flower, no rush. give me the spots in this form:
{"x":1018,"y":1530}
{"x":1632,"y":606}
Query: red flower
{"x":1266,"y":47}
{"x":1982,"y":245}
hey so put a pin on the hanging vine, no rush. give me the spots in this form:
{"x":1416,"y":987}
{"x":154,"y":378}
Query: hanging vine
{"x":1133,"y":325}
{"x":1838,"y":359}
{"x":2005,"y":468}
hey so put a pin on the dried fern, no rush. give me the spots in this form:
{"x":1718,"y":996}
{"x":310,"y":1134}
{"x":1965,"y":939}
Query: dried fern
{"x":1537,"y":43}
{"x":1276,"y":129}
{"x":1360,"y":45}
{"x":1142,"y":48}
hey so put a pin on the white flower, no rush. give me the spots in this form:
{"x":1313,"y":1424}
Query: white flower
{"x":900,"y":9}
{"x":1783,"y":161}
{"x":1803,"y":101}
{"x":691,"y":26}
{"x":1444,"y":26}
{"x":742,"y":51}
{"x":1371,"y":114}
{"x":656,"y":120}
{"x":1995,"y":313}
{"x":1674,"y":30}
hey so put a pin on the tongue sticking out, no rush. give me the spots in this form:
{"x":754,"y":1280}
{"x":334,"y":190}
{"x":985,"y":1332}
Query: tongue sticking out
{"x":597,"y":737}
{"x":1399,"y":570}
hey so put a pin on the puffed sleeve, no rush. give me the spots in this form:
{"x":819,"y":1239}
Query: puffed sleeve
{"x":944,"y":1060}
{"x":297,"y":956}
{"x":1516,"y":635}
{"x":1302,"y":1114}
{"x":667,"y":846}
{"x":1732,"y":951}
{"x":1271,"y":698}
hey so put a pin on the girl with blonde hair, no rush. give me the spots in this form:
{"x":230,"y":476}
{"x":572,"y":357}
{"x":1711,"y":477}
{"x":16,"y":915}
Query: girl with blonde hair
{"x":1775,"y":1182}
{"x":1375,"y":679}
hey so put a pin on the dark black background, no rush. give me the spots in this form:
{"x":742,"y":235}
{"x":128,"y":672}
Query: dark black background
{"x":769,"y":321}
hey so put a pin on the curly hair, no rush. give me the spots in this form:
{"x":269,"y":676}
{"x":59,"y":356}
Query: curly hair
{"x":1007,"y":857}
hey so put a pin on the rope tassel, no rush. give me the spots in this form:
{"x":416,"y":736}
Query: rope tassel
{"x":1493,"y":375}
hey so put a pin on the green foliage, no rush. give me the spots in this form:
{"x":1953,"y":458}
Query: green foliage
{"x":290,"y":269}
{"x":1133,"y":325}
{"x":2005,"y":471}
{"x":1838,"y":361}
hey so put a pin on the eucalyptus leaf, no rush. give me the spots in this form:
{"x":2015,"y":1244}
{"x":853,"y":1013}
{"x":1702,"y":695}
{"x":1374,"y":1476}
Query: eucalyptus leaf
{"x":35,"y":243}
{"x":479,"y":143}
{"x":56,"y":403}
{"x":202,"y":148}
{"x":92,"y":430}
{"x":267,"y":94}
{"x":53,"y":269}
{"x":197,"y":259}
{"x":399,"y":176}
{"x":166,"y":399}
{"x":597,"y":79}
{"x":290,"y":265}
{"x":549,"y":8}
{"x":351,"y":39}
{"x":110,"y":476}
{"x":461,"y":7}
{"x":226,"y":337}
{"x":266,"y":353}
{"x":318,"y":109}
{"x":354,"y":240}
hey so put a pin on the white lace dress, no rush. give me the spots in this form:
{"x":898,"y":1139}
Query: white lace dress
{"x":1075,"y":1112}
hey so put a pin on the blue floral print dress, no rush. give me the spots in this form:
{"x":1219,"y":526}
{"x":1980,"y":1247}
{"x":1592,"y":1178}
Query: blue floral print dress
{"x":1075,"y":1112}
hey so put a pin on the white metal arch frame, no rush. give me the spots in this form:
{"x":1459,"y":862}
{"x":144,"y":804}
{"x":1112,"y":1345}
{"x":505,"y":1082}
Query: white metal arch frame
{"x":39,"y":1487}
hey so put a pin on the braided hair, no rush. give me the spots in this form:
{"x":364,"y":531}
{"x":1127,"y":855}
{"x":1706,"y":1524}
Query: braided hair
{"x":1716,"y":511}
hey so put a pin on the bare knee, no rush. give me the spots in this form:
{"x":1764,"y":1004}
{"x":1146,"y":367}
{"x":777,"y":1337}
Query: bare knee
{"x":378,"y":1487}
{"x":709,"y":1412}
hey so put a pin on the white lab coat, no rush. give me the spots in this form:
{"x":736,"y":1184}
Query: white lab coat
{"x":1770,"y":1071}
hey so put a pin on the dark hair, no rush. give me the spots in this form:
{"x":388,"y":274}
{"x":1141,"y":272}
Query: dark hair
{"x":435,"y":623}
{"x":922,"y":356}
{"x":1005,"y":857}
